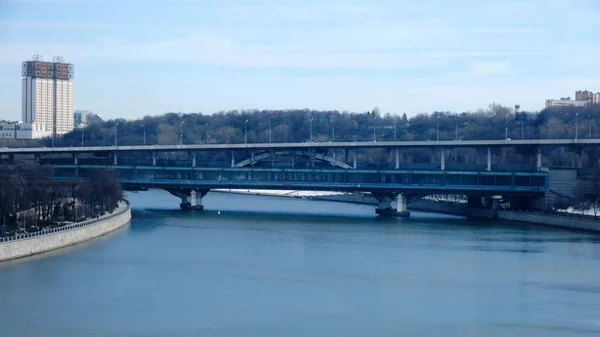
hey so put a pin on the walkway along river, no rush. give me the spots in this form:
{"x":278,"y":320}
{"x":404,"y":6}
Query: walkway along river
{"x":266,"y":266}
{"x":43,"y":241}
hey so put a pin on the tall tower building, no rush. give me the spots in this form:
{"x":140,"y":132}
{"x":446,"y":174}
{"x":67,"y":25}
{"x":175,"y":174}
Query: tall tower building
{"x":47,"y":96}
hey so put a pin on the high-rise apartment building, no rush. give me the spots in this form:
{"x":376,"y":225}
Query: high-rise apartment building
{"x":587,"y":96}
{"x":47,"y":96}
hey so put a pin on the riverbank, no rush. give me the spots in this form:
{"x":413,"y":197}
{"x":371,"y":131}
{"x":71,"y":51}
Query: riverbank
{"x":567,"y":221}
{"x":44,"y":241}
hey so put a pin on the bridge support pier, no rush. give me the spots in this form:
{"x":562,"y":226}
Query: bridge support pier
{"x":194,"y":159}
{"x":489,"y":159}
{"x":354,"y":158}
{"x":75,"y":157}
{"x":443,"y":159}
{"x":191,"y":199}
{"x":232,"y":159}
{"x":114,"y":158}
{"x":539,"y":159}
{"x":384,"y":208}
{"x":397,"y":158}
{"x":153,"y":158}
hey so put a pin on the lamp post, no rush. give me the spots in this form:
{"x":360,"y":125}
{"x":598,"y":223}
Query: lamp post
{"x":576,"y":128}
{"x":374,"y":128}
{"x":333,"y":131}
{"x":181,"y":133}
{"x":246,"y":132}
{"x":116,"y":131}
{"x":143,"y":127}
{"x":455,"y":127}
{"x":81,"y":136}
{"x":270,"y":132}
{"x":310,"y":132}
{"x":437,"y":129}
{"x":590,"y":126}
{"x":206,"y":132}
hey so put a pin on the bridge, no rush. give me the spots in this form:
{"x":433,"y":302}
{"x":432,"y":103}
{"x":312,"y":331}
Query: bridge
{"x":190,"y":171}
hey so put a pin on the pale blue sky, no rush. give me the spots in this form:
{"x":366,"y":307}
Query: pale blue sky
{"x":135,"y":58}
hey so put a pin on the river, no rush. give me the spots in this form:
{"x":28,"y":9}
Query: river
{"x":268,"y":266}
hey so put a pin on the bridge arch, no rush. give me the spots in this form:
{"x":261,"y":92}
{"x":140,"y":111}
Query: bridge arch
{"x":299,"y":153}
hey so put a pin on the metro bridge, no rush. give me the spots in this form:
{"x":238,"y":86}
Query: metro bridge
{"x":190,"y":171}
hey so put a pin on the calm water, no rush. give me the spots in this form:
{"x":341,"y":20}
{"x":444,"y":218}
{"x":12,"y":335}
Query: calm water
{"x":278,"y":267}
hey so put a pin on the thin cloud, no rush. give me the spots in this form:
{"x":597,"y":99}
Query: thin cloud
{"x":488,"y":68}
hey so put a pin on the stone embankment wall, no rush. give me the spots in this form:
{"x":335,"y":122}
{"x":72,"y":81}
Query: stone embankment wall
{"x":44,"y":241}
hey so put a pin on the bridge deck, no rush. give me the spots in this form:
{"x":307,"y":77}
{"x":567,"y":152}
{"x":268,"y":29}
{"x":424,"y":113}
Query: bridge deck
{"x":309,"y":145}
{"x":394,"y":181}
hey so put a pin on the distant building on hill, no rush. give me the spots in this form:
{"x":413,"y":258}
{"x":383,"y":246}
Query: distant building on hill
{"x":84,"y":117}
{"x":564,"y":103}
{"x":587,"y":96}
{"x":583,"y":98}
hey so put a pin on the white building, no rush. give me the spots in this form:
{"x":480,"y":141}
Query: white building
{"x":32,"y":131}
{"x":7,"y":130}
{"x":47,"y":95}
{"x":565,"y":103}
{"x":20,"y":130}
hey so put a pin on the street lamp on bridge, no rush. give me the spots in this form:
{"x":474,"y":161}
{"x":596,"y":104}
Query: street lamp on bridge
{"x":246,"y":132}
{"x":116,"y":131}
{"x":310,"y":132}
{"x":181,"y":133}
{"x":576,"y":126}
{"x":143,"y":127}
{"x":437,"y":129}
{"x":206,"y":133}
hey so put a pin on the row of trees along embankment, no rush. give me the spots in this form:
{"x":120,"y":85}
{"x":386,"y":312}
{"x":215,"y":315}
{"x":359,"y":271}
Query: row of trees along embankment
{"x":30,"y":200}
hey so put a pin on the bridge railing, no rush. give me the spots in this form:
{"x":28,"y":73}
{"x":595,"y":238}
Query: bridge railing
{"x":81,"y":224}
{"x":283,"y":164}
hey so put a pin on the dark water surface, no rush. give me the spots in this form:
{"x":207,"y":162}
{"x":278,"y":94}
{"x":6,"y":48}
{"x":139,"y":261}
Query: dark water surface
{"x":270,"y":266}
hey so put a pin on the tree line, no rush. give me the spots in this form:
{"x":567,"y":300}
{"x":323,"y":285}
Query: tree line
{"x":303,"y":125}
{"x":30,"y":200}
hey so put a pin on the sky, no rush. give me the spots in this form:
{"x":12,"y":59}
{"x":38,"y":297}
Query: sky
{"x":139,"y":57}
